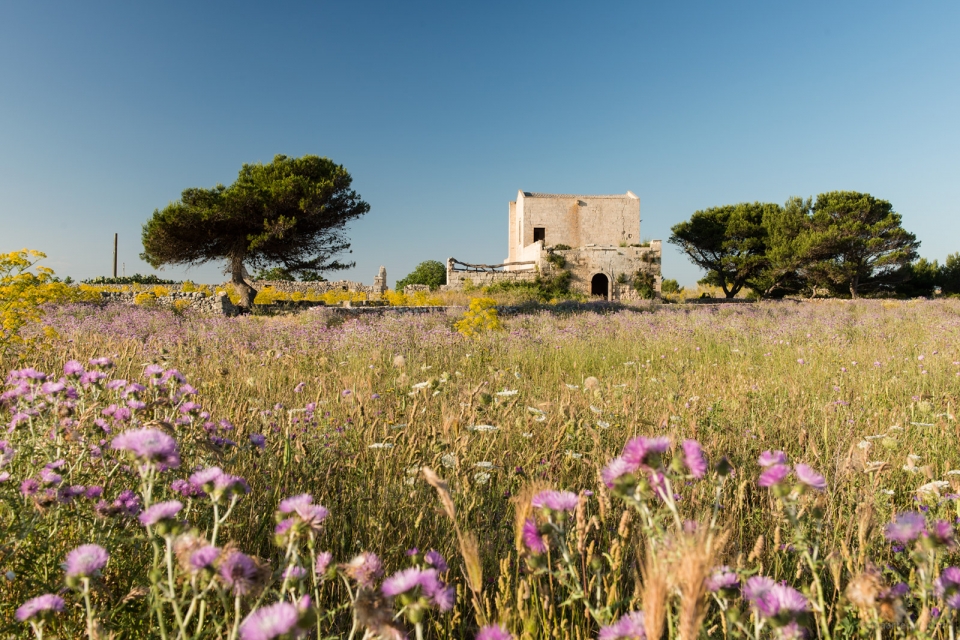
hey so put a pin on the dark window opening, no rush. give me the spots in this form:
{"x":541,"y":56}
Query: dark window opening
{"x":599,"y":286}
{"x":539,"y":233}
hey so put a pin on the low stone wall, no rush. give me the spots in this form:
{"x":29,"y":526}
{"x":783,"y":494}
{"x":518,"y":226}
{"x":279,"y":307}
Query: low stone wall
{"x":284,"y":286}
{"x":458,"y":280}
{"x":194,"y":300}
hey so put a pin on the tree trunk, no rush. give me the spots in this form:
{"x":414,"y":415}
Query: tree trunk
{"x":247,"y":293}
{"x":854,"y":283}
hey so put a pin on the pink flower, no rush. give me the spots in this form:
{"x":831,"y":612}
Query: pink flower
{"x":770,"y":458}
{"x":616,"y":469}
{"x":809,"y":477}
{"x":531,"y":537}
{"x":773,"y":475}
{"x":493,"y":632}
{"x":645,"y":452}
{"x":694,"y":459}
{"x":555,"y":500}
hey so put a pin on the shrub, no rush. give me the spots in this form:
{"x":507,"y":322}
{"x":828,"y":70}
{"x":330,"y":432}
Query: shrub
{"x":479,"y":318}
{"x":644,"y":284}
{"x":430,"y":272}
{"x":670,"y":286}
{"x":145,"y":299}
{"x":134,"y":279}
{"x":23,"y":292}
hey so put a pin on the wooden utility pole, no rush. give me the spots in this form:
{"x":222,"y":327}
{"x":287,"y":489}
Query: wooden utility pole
{"x":115,"y":255}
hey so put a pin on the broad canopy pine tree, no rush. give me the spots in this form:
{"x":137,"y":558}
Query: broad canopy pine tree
{"x":291,"y":213}
{"x":855,"y":242}
{"x":728,"y":242}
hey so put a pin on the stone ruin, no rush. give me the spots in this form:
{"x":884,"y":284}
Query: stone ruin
{"x":374,"y":291}
{"x":595,"y":238}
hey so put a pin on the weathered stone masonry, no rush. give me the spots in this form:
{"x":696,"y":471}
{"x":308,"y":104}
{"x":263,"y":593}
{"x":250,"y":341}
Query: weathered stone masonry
{"x":598,"y":236}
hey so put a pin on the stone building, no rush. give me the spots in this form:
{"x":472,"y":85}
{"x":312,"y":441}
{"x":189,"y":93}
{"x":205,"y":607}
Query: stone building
{"x":595,"y":238}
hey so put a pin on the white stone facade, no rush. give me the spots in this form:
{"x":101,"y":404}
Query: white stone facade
{"x":599,"y":240}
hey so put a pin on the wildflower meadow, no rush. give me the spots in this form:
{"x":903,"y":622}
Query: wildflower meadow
{"x":770,"y":470}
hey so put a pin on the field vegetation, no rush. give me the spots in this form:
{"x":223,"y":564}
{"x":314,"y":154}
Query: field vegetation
{"x":747,"y":471}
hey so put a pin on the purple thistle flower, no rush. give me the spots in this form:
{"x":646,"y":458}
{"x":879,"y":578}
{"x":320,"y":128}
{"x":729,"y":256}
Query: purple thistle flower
{"x":205,"y":478}
{"x":290,"y":505}
{"x":294,"y":572}
{"x":941,"y":534}
{"x":73,"y":368}
{"x":152,"y":370}
{"x":906,"y":527}
{"x":407,"y":580}
{"x":809,"y":477}
{"x":948,"y":586}
{"x":29,"y":487}
{"x":757,"y":587}
{"x":91,"y":377}
{"x":437,"y":561}
{"x":160,"y":512}
{"x":773,"y":475}
{"x":365,"y":569}
{"x":270,"y":622}
{"x":4,"y":476}
{"x":531,"y":537}
{"x":93,"y":492}
{"x":101,"y":362}
{"x":629,"y":627}
{"x":694,"y":459}
{"x":228,"y":485}
{"x":284,"y":526}
{"x":67,"y":494}
{"x":323,"y":563}
{"x":300,"y":387}
{"x":302,"y":505}
{"x":401,"y":582}
{"x":86,"y":561}
{"x":203,"y":558}
{"x":40,"y":606}
{"x":185,"y":488}
{"x":770,"y":458}
{"x":49,"y":477}
{"x":238,"y":572}
{"x":493,"y":632}
{"x":258,"y":440}
{"x":616,"y":469}
{"x":722,"y":578}
{"x":643,"y":451}
{"x":150,"y":445}
{"x":788,"y":600}
{"x":555,"y":500}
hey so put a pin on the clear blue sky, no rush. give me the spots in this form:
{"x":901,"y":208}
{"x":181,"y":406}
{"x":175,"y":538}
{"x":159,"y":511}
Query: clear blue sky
{"x":442,"y":111}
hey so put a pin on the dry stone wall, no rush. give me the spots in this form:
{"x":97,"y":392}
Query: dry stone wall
{"x":218,"y":304}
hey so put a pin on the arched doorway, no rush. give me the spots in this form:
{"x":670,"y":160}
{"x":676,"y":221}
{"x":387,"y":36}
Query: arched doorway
{"x":600,"y":286}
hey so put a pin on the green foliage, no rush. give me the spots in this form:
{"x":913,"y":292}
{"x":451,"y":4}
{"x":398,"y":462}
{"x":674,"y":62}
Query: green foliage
{"x":785,"y":256}
{"x":275,"y":273}
{"x":291,"y":213}
{"x":556,"y":259}
{"x":918,"y":279}
{"x":644,"y":284}
{"x":562,"y":247}
{"x":429,"y":272}
{"x":949,"y":276}
{"x":542,"y":288}
{"x":855,"y":243}
{"x":729,"y":242}
{"x":844,"y":242}
{"x":670,"y":286}
{"x":479,"y":318}
{"x":24,"y":289}
{"x":134,"y":279}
